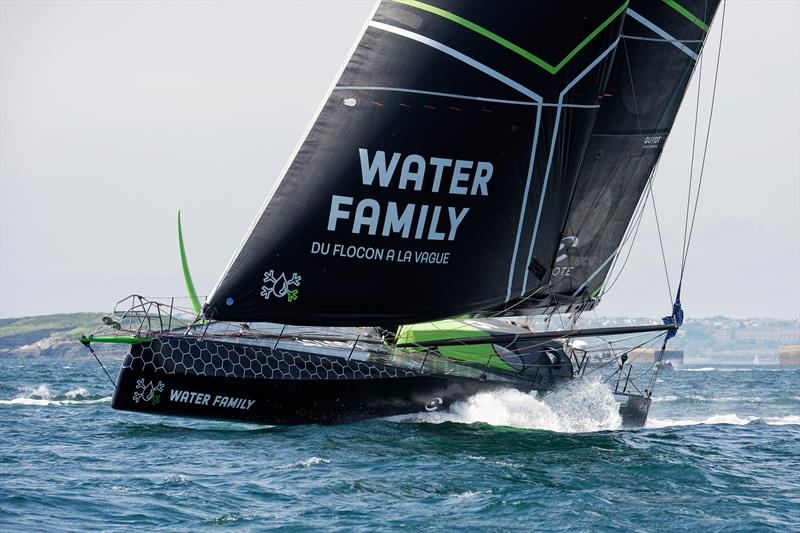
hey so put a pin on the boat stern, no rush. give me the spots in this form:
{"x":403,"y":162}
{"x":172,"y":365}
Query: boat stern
{"x":634,"y":411}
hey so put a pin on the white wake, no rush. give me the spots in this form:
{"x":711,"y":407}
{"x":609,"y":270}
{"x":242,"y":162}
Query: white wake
{"x":583,"y":406}
{"x":732,"y":419}
{"x":42,"y":395}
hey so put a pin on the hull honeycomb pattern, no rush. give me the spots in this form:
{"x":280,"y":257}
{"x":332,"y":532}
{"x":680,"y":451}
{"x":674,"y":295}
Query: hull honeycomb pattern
{"x":180,"y":355}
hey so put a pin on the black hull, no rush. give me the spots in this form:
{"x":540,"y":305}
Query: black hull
{"x":209,"y":379}
{"x":634,"y":411}
{"x":287,"y":402}
{"x":184,"y":376}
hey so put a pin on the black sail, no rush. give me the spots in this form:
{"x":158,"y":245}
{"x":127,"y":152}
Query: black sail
{"x":661,"y":41}
{"x":436,"y":178}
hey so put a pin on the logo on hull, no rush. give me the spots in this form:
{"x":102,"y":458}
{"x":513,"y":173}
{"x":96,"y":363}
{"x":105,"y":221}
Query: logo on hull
{"x":433,"y":405}
{"x":147,"y":393}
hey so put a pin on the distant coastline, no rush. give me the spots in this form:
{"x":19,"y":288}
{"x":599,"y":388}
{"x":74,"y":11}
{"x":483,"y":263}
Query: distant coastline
{"x":719,"y":340}
{"x":48,"y":335}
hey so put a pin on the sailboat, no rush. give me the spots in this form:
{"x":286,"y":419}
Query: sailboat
{"x":471,"y":163}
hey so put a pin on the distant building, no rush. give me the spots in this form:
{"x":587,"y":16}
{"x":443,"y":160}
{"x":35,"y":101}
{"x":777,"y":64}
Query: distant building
{"x":789,"y":355}
{"x":647,"y":356}
{"x":758,"y":334}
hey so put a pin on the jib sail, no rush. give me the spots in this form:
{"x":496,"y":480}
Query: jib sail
{"x":660,"y":45}
{"x":436,"y":178}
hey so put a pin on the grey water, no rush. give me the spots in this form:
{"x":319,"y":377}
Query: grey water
{"x":721,"y":452}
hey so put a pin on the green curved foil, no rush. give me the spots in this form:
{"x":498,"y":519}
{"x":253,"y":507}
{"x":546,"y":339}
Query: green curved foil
{"x":187,"y":276}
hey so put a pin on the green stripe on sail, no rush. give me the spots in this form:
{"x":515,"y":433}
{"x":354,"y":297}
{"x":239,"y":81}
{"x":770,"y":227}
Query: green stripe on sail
{"x":697,"y":21}
{"x":596,"y":292}
{"x":620,"y":10}
{"x":185,"y":265}
{"x":508,"y":44}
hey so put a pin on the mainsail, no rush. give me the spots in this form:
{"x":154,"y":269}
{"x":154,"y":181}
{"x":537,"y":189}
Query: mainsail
{"x":661,"y":42}
{"x":437,"y":177}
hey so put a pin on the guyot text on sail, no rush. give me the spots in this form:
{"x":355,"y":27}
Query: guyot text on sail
{"x":457,"y":177}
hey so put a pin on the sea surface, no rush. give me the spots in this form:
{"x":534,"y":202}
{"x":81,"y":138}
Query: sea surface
{"x":721,"y":452}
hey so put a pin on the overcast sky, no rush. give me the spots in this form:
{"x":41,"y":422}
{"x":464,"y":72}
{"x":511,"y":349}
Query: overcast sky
{"x":114,"y":115}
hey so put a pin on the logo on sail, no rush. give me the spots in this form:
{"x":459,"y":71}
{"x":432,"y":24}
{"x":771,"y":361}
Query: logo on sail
{"x":279,"y":286}
{"x":564,"y":248}
{"x":147,"y":393}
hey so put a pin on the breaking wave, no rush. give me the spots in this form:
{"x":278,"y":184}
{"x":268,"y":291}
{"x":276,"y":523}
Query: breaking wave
{"x":701,"y":398}
{"x":43,"y":395}
{"x":311,"y":461}
{"x":76,"y":394}
{"x":667,"y":398}
{"x":732,"y":369}
{"x":731,"y":419}
{"x":583,"y":406}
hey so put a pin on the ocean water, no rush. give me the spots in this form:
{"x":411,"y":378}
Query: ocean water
{"x":721,"y":453}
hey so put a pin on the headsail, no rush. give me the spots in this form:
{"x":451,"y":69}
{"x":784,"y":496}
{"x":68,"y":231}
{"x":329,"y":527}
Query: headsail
{"x":660,"y":45}
{"x":437,"y":176}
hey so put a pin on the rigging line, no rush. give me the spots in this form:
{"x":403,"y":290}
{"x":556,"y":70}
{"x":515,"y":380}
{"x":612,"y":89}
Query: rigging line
{"x":629,"y":232}
{"x":605,"y":186}
{"x":708,"y":134}
{"x":652,"y":173}
{"x":613,"y":343}
{"x":649,"y":368}
{"x":660,"y":240}
{"x":633,"y":87}
{"x":591,"y":276}
{"x":650,"y":184}
{"x":505,"y":310}
{"x":598,"y":368}
{"x":657,"y":366}
{"x":561,"y":98}
{"x":638,"y":213}
{"x":543,"y":342}
{"x":590,"y":211}
{"x":607,"y":341}
{"x":88,"y":345}
{"x":691,"y":164}
{"x":632,"y":238}
{"x":633,"y":226}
